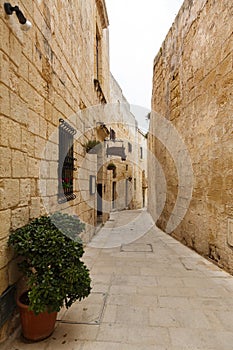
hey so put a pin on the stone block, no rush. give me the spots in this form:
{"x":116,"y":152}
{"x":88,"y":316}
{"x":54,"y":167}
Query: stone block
{"x":14,"y":138}
{"x":37,"y":81}
{"x":48,"y":111}
{"x":225,"y":66}
{"x":5,"y":165}
{"x":19,"y":164}
{"x":28,"y":142}
{"x":34,"y":187}
{"x":19,"y":110}
{"x":5,"y":219}
{"x":198,"y":75}
{"x":5,"y":68}
{"x":44,"y":169}
{"x":227,"y":47}
{"x":27,"y":48}
{"x":53,"y":167}
{"x":5,"y":37}
{"x":42,"y":187}
{"x":4,"y":130}
{"x":5,"y":108}
{"x":43,"y":127}
{"x":40,"y":145}
{"x":34,"y":99}
{"x":6,"y":253}
{"x":15,"y":49}
{"x":9,"y":193}
{"x":51,"y":151}
{"x":23,"y":67}
{"x":20,"y":217}
{"x":25,"y":90}
{"x":51,"y":187}
{"x":33,"y":168}
{"x":33,"y":122}
{"x":14,"y":79}
{"x":35,"y":207}
{"x":24,"y":192}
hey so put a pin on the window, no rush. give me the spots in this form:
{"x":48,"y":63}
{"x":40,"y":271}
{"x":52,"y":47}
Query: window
{"x":98,"y":54}
{"x":126,"y":167}
{"x":92,"y":184}
{"x":97,"y":57}
{"x":129,"y":147}
{"x":141,"y":152}
{"x":98,"y":66}
{"x":135,"y":184}
{"x":112,"y":135}
{"x":66,"y":162}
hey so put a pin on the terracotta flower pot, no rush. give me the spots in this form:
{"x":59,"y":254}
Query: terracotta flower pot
{"x":36,"y":327}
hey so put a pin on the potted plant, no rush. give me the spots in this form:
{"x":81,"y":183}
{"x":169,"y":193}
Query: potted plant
{"x":50,"y":251}
{"x":111,"y":166}
{"x":92,"y":146}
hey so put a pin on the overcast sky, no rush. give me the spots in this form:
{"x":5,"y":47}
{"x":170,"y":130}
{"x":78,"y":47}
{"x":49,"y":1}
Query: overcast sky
{"x":137,"y":29}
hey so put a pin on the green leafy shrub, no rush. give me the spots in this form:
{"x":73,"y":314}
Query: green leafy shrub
{"x":111,"y":166}
{"x":92,"y":146}
{"x":51,"y":262}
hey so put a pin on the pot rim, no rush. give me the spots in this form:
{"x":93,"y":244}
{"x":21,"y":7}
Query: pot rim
{"x":19,"y":303}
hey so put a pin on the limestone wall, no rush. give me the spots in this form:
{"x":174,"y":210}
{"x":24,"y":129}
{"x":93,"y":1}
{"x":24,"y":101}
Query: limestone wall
{"x":129,"y":187}
{"x":192,"y":91}
{"x":47,"y":73}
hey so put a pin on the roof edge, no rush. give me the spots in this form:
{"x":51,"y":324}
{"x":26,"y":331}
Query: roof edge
{"x":102,"y":9}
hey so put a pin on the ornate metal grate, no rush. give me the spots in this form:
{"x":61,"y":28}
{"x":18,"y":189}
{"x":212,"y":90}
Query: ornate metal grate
{"x":66,"y":162}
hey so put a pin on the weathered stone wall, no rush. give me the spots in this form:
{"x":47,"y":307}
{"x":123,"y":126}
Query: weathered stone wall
{"x":141,"y":190}
{"x":47,"y":73}
{"x":129,"y":187}
{"x":192,"y":89}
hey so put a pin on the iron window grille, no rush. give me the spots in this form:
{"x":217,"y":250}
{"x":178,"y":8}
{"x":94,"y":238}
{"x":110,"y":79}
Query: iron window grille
{"x":66,"y":162}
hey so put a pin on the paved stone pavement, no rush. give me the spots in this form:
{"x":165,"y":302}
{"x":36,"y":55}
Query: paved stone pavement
{"x":149,"y":293}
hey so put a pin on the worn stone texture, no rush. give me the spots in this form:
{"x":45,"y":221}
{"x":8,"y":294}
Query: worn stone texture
{"x":47,"y":73}
{"x":168,"y":298}
{"x":192,"y":89}
{"x":130,"y":191}
{"x":58,"y":70}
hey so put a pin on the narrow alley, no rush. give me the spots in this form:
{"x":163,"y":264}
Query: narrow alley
{"x":149,"y":292}
{"x":108,"y":108}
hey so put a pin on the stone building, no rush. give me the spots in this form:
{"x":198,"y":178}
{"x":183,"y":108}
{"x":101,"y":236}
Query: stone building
{"x":190,"y":139}
{"x":56,"y":104}
{"x":49,"y":76}
{"x":129,"y":185}
{"x":118,"y":158}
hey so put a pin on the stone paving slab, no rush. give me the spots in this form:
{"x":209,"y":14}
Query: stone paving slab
{"x":89,"y":311}
{"x":167,"y":299}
